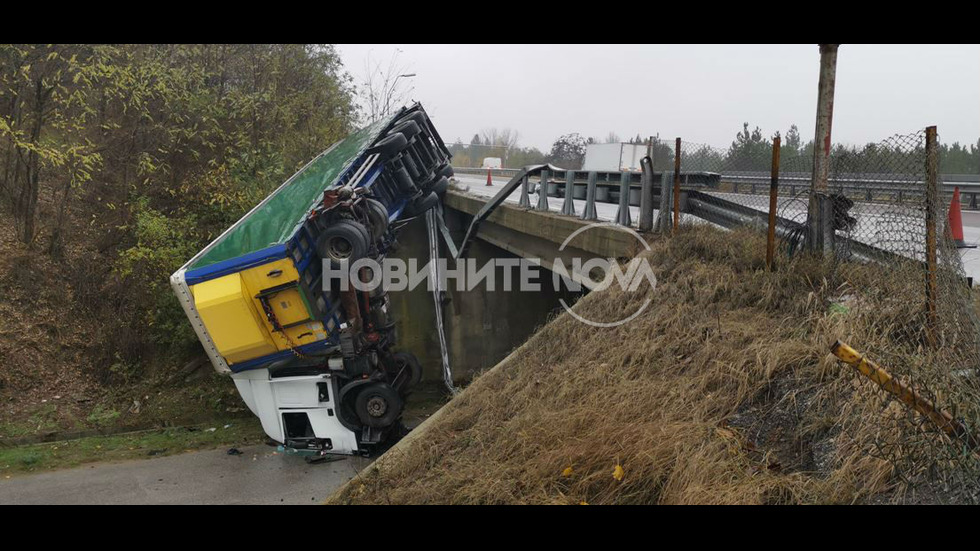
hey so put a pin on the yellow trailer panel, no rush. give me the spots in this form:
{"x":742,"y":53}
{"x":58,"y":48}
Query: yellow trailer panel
{"x":225,"y":306}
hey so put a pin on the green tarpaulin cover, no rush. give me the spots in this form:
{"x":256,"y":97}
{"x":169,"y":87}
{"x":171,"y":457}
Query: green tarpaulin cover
{"x":276,"y":220}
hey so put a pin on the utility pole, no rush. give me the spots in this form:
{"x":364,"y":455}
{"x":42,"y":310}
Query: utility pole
{"x":819,"y":214}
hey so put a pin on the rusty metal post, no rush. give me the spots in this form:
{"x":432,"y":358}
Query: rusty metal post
{"x":677,"y":183}
{"x":821,"y":145}
{"x":773,"y":195}
{"x":932,"y":199}
{"x":662,"y":224}
{"x":946,"y":422}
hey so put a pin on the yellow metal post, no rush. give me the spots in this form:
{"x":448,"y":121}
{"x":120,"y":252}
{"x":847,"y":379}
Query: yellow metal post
{"x":906,"y":395}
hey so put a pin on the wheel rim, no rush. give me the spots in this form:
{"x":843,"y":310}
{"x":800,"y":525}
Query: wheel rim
{"x":377,"y":406}
{"x":338,"y":247}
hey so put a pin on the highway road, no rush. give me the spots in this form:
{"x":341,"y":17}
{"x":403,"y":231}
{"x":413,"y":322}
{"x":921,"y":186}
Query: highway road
{"x":259,"y":476}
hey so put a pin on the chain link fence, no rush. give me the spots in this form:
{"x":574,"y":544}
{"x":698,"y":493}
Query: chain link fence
{"x":915,"y":310}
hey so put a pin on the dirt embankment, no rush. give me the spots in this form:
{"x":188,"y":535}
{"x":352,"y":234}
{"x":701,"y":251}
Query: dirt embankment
{"x":56,"y":377}
{"x":722,"y":391}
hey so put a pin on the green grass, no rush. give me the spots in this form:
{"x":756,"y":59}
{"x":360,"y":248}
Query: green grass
{"x":145,"y":444}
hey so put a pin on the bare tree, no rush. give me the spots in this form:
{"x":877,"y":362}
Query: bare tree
{"x":612,"y":137}
{"x":500,"y":141}
{"x":383,"y":89}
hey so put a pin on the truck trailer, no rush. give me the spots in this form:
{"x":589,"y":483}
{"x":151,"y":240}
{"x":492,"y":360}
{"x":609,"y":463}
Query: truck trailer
{"x":315,"y":363}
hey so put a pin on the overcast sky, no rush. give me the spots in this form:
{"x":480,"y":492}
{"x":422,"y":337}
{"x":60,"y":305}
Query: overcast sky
{"x":700,"y":93}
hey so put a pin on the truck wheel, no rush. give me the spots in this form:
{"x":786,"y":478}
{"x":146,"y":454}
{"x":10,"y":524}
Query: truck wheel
{"x":390,"y":145}
{"x":409,"y":129}
{"x":440,"y":187}
{"x":413,"y":369}
{"x":345,"y":240}
{"x":417,"y":117}
{"x":378,"y":215}
{"x":445,"y":171}
{"x":404,"y":181}
{"x":422,"y":204}
{"x":378,"y":405}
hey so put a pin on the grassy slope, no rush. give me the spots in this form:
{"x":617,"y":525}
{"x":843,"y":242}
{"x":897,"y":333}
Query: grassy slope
{"x":722,"y":391}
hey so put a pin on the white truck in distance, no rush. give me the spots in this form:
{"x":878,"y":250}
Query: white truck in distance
{"x":492,"y":162}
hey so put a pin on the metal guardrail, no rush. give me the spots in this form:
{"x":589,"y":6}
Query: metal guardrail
{"x":871,"y":186}
{"x":709,"y":207}
{"x":612,"y":179}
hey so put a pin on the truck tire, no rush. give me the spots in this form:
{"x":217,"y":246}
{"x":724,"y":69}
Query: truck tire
{"x":408,"y":361}
{"x":390,"y":145}
{"x":378,"y":215}
{"x":417,"y":117}
{"x":440,"y":187}
{"x":409,"y":129}
{"x":378,"y":405}
{"x":345,"y":240}
{"x":420,"y":205}
{"x":404,"y":181}
{"x":446,"y":171}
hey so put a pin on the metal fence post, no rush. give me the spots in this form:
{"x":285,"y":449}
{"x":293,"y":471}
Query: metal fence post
{"x":773,"y":195}
{"x":932,"y":196}
{"x":663,"y":212}
{"x":569,"y":206}
{"x":677,"y":183}
{"x":589,"y":212}
{"x":525,"y":200}
{"x":646,"y":195}
{"x":623,"y":215}
{"x":543,"y":192}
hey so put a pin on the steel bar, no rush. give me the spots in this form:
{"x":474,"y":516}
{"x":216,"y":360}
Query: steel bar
{"x":623,"y":214}
{"x":568,"y":207}
{"x":932,"y":196}
{"x":904,"y":393}
{"x":590,"y":213}
{"x":677,"y":183}
{"x":773,"y":195}
{"x":543,"y":192}
{"x":646,"y":195}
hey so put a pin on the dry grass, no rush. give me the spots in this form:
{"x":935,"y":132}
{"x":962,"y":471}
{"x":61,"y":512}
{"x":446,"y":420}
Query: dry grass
{"x":722,"y":391}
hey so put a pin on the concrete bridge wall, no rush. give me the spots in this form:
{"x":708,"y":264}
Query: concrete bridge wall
{"x":482,"y":327}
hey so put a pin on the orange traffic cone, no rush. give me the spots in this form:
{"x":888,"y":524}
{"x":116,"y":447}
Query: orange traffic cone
{"x":956,"y":222}
{"x":489,"y":176}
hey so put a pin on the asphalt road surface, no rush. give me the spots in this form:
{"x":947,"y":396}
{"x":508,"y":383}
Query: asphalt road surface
{"x":258,"y":476}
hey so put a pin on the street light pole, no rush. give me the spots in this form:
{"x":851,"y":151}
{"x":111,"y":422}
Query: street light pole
{"x":391,"y":92}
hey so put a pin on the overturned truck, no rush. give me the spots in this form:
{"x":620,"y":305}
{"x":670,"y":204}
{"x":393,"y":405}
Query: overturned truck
{"x":314,"y":362}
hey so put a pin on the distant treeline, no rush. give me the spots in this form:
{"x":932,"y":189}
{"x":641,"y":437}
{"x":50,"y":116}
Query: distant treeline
{"x":749,"y":151}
